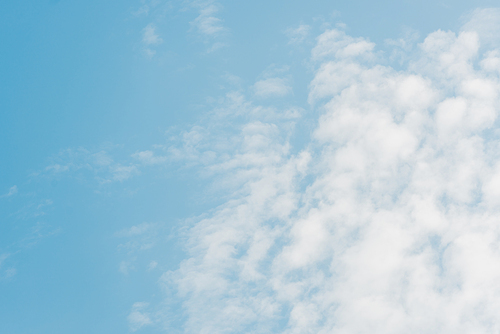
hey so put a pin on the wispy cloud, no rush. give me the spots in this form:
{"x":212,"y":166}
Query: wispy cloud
{"x":207,"y":23}
{"x":9,"y":273}
{"x":3,"y":257}
{"x":298,"y":35}
{"x":38,"y":232}
{"x":272,"y":87}
{"x":486,"y":23}
{"x":139,"y":245}
{"x":146,"y":7}
{"x":139,"y":237}
{"x":12,"y":191}
{"x":99,"y":165}
{"x":402,"y":47}
{"x":335,"y":43}
{"x":30,"y":239}
{"x":126,"y":266}
{"x":152,"y":265}
{"x":33,"y":209}
{"x":5,"y":274}
{"x":138,"y":318}
{"x":135,"y":230}
{"x":121,"y":173}
{"x":149,"y":158}
{"x":150,"y":38}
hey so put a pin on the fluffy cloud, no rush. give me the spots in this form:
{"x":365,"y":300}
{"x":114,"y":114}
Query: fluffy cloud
{"x":386,"y":223}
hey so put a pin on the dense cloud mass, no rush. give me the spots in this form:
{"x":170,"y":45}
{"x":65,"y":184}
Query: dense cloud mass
{"x":387,"y":222}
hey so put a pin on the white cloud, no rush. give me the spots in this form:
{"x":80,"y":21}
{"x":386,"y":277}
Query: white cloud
{"x":136,"y":230}
{"x":143,"y":10}
{"x":7,"y":273}
{"x":299,"y":34}
{"x":125,"y":267}
{"x":336,"y":43}
{"x":3,"y":257}
{"x":150,"y":37}
{"x":12,"y":191}
{"x":121,"y":173}
{"x":486,"y":23}
{"x":137,"y":317}
{"x":402,"y":47}
{"x":146,"y":240}
{"x":56,"y":168}
{"x":398,"y":230}
{"x":137,"y":243}
{"x":149,"y":158}
{"x":148,"y":6}
{"x":38,"y":232}
{"x":149,"y":53}
{"x":152,"y":265}
{"x":207,"y":23}
{"x":81,"y":161}
{"x":10,"y":272}
{"x":272,"y":87}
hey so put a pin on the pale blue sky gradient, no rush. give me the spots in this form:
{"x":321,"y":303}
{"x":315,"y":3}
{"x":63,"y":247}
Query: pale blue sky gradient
{"x":82,"y":92}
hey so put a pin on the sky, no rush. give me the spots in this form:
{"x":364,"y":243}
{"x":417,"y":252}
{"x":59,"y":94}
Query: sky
{"x":214,"y":166}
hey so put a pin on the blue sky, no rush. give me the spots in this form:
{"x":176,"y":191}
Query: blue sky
{"x":233,"y":167}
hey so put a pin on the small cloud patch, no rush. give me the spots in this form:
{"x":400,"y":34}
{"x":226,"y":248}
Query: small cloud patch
{"x":272,"y":87}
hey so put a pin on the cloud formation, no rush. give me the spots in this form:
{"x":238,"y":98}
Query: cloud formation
{"x":138,"y":318}
{"x":486,"y":23}
{"x":272,"y":87}
{"x":207,"y":23}
{"x":150,"y":38}
{"x":12,"y":191}
{"x":397,"y":232}
{"x":299,"y":34}
{"x":99,"y":164}
{"x":149,"y":158}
